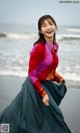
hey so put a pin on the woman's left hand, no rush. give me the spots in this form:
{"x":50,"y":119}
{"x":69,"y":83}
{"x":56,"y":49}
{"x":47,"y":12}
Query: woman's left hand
{"x":62,"y":81}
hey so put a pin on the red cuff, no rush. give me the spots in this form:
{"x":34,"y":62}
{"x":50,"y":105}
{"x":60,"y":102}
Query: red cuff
{"x":39,"y":88}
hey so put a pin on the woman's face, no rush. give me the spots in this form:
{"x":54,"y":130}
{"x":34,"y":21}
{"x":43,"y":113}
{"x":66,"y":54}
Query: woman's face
{"x":48,"y":29}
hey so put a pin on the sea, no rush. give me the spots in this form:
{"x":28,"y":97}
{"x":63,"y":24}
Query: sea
{"x":16,"y":42}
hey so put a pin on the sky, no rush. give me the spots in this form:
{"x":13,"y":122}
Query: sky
{"x":29,"y":11}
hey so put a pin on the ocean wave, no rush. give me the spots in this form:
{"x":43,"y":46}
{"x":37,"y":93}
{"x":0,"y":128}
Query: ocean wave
{"x":27,"y":36}
{"x":67,"y":36}
{"x":71,"y":76}
{"x":13,"y":73}
{"x":18,"y":36}
{"x":67,"y":76}
{"x":76,"y":30}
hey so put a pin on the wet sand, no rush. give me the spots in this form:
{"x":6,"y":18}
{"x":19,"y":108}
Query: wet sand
{"x":70,"y":106}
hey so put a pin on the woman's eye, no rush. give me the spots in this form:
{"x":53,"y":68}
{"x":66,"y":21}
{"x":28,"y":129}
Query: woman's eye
{"x":50,"y":23}
{"x":43,"y":25}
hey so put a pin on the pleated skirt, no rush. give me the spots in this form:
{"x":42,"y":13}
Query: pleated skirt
{"x":28,"y":114}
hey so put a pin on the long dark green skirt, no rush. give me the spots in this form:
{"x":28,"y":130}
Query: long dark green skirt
{"x":28,"y":114}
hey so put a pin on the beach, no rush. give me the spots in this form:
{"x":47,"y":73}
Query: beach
{"x":16,"y":43}
{"x":10,"y":86}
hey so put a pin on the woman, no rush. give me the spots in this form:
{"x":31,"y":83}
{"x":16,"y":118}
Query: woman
{"x":36,"y":108}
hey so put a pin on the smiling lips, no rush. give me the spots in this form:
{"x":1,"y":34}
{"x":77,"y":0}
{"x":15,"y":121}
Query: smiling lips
{"x":49,"y":31}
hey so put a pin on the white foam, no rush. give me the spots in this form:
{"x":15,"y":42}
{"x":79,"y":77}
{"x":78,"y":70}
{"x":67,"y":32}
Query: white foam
{"x":73,"y":29}
{"x":13,"y":73}
{"x":20,"y":36}
{"x":68,"y":36}
{"x":71,"y":76}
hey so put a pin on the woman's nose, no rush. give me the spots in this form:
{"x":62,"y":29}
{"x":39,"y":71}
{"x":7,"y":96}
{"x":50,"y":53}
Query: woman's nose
{"x":48,"y":26}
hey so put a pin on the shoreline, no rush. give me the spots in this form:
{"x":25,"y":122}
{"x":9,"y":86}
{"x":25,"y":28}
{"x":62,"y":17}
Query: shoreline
{"x":68,"y":82}
{"x":10,"y":86}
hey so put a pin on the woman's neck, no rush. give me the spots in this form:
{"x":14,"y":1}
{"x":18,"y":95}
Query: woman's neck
{"x":50,"y":41}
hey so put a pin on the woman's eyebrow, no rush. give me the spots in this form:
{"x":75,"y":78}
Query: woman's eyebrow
{"x":50,"y":21}
{"x":43,"y":23}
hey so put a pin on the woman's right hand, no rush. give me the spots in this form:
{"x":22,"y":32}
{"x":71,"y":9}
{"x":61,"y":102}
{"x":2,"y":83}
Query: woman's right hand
{"x":46,"y":100}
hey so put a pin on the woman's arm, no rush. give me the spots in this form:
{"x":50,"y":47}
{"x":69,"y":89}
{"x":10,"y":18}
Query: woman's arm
{"x":58,"y":78}
{"x":36,"y":58}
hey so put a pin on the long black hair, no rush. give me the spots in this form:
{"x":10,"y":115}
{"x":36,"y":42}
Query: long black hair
{"x":41,"y":36}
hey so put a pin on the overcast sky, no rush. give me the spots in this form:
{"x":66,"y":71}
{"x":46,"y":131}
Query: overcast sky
{"x":29,"y":11}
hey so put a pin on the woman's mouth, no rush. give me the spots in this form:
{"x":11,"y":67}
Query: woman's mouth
{"x":49,"y":32}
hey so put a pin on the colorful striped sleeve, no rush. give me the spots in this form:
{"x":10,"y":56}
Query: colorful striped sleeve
{"x":36,"y":57}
